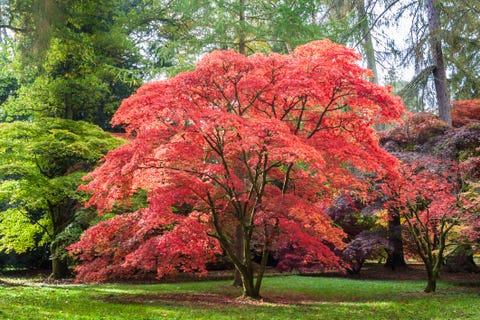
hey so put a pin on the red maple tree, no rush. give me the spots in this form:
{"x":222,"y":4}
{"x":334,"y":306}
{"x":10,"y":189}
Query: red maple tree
{"x":240,"y":156}
{"x":425,"y":196}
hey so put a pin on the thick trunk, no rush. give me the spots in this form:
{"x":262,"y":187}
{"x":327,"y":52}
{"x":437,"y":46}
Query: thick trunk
{"x":432,"y":279}
{"x":249,"y":288}
{"x":395,"y":257}
{"x":59,"y":265}
{"x":61,"y":216}
{"x":431,"y":285}
{"x":59,"y":269}
{"x":248,"y":277}
{"x":439,"y":74}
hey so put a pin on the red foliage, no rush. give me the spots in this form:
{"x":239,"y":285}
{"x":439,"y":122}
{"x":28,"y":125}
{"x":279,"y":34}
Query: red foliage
{"x":418,"y":128}
{"x":465,"y":112}
{"x":428,"y":186}
{"x":426,"y":197}
{"x":137,"y":244}
{"x":260,"y":143}
{"x":470,"y":169}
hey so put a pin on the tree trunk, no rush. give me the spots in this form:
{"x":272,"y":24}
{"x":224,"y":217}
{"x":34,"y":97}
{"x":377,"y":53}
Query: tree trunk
{"x":59,"y":265}
{"x":395,"y":257}
{"x":249,"y":288}
{"x":237,"y":277}
{"x":431,"y":285}
{"x":367,"y":39}
{"x":439,"y":74}
{"x":432,"y":274}
{"x":59,"y":269}
{"x":61,"y":215}
{"x":242,"y":46}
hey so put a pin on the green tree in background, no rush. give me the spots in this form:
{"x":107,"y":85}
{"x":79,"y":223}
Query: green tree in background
{"x":462,"y":40}
{"x":81,"y":66}
{"x":191,"y":28}
{"x":8,"y":80}
{"x":362,"y":21}
{"x":444,"y":36}
{"x":41,"y":166}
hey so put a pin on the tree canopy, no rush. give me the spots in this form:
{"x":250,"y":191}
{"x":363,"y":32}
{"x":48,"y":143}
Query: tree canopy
{"x":262,"y":143}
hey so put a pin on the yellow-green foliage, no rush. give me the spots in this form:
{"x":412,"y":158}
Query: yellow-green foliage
{"x":41,"y":166}
{"x":18,"y":233}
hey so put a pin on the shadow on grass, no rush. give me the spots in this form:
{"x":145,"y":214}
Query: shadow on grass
{"x":173,"y":299}
{"x":465,"y":284}
{"x":201,"y":299}
{"x":294,"y":306}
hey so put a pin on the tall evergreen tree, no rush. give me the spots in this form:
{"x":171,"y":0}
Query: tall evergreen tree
{"x":462,"y":40}
{"x":442,"y":40}
{"x":75,"y":59}
{"x":243,"y":25}
{"x":439,"y":73}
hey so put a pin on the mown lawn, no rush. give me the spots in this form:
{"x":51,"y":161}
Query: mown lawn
{"x":286,"y":297}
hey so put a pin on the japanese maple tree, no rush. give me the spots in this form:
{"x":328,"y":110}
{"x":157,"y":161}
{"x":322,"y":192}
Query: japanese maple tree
{"x":425,"y":196}
{"x":259,"y":144}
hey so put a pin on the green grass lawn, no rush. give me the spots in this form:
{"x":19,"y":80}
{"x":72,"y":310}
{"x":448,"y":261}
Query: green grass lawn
{"x":286,"y":297}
